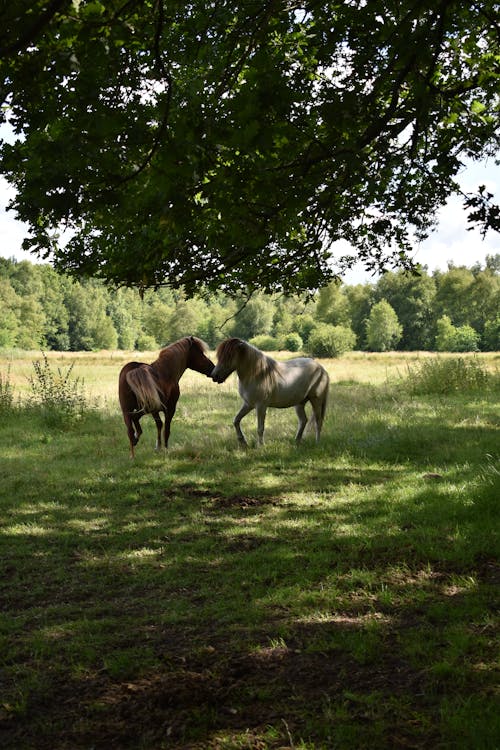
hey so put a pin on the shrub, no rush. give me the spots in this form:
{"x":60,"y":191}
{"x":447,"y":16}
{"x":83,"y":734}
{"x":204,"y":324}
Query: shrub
{"x":466,"y":339}
{"x":451,"y":338}
{"x":491,"y":336}
{"x":326,"y":340}
{"x":146,"y":343}
{"x":450,"y":375}
{"x":293,"y":342}
{"x":303,"y":324}
{"x":265,"y":342}
{"x":60,"y":398}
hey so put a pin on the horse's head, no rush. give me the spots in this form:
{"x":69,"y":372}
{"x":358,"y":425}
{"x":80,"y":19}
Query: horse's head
{"x":197,"y":359}
{"x":227,"y":359}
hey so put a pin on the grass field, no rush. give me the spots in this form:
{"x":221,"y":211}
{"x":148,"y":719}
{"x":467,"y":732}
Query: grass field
{"x":335,"y":596}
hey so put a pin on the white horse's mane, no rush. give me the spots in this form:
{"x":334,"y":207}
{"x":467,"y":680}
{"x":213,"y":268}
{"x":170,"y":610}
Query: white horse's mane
{"x":259,"y":367}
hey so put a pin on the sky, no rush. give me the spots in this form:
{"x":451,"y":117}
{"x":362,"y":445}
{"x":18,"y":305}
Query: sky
{"x":449,"y":242}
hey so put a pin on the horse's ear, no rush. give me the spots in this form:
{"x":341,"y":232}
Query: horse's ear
{"x":238,"y":344}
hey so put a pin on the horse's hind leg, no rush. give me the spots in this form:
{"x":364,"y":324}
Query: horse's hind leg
{"x":318,"y":398}
{"x":318,"y":404}
{"x":137,"y":428}
{"x":302,"y":417}
{"x":134,"y":431}
{"x":261,"y":421}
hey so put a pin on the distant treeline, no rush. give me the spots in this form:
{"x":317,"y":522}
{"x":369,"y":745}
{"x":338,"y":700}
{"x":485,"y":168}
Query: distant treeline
{"x":455,"y":310}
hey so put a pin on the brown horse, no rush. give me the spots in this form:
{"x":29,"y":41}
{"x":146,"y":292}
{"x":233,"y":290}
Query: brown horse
{"x":151,"y":389}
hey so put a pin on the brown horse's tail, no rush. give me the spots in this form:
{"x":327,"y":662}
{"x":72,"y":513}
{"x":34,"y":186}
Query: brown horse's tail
{"x":145,"y":389}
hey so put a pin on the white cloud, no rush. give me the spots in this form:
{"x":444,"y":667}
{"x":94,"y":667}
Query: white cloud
{"x":451,"y":241}
{"x":12,"y":232}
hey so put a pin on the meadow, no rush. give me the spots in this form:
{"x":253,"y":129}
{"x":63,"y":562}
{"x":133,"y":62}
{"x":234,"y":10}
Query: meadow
{"x":343,"y":595}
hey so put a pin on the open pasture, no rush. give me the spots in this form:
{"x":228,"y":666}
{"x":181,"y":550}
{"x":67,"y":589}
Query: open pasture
{"x":343,"y":595}
{"x":99,"y":370}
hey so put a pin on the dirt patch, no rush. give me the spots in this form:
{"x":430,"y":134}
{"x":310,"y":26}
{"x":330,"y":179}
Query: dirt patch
{"x":240,"y":501}
{"x":186,"y":490}
{"x":217,"y":500}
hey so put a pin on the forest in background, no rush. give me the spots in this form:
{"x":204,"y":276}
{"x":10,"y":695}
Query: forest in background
{"x":454,"y":310}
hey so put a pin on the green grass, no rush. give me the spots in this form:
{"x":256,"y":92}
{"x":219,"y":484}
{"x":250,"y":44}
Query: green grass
{"x":335,"y":596}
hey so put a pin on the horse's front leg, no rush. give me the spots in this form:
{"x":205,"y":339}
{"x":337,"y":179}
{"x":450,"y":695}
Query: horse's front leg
{"x":169,"y":414}
{"x":159,"y":426}
{"x":261,"y":421}
{"x":236,"y":422}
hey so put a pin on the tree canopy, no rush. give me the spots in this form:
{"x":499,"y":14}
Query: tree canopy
{"x":229,"y":145}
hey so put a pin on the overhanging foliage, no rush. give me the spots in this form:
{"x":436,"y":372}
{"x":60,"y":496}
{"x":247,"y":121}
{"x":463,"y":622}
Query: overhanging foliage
{"x":228,"y":145}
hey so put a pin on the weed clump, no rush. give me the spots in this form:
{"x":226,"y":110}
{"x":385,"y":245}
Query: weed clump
{"x":448,"y":375}
{"x":6,"y":393}
{"x":60,"y":398}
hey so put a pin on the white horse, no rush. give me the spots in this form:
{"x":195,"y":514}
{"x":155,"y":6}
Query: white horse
{"x":263,"y":382}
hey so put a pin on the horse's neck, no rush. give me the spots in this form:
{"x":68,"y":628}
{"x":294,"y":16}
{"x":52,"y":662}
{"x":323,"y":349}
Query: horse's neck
{"x":171,"y":364}
{"x":257,"y":366}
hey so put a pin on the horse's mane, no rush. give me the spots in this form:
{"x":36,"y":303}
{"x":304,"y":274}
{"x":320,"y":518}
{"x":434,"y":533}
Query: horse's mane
{"x":251,"y":362}
{"x":228,"y":348}
{"x":182,"y":345}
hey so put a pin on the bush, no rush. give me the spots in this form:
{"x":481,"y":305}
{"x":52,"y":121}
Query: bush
{"x":293,"y":342}
{"x":326,"y":340}
{"x":450,"y":375}
{"x":466,"y":340}
{"x":451,"y":338}
{"x":303,"y":325}
{"x":60,"y":398}
{"x":265,"y":342}
{"x":491,"y":336}
{"x":146,"y":343}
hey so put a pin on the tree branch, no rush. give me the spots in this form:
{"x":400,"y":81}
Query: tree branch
{"x":31,"y":34}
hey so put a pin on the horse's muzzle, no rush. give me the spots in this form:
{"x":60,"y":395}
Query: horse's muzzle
{"x":218,"y":377}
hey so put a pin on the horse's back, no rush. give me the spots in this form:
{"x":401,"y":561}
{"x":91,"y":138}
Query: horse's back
{"x":306,"y":364}
{"x":296,"y":379}
{"x":303,"y":374}
{"x":300,"y":368}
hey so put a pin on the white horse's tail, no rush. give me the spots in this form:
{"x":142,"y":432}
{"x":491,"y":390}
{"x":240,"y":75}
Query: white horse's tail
{"x":145,"y":389}
{"x":318,"y":397}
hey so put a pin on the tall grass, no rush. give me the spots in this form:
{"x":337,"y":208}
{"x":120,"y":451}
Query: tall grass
{"x":6,"y":392}
{"x":449,"y":375}
{"x":59,"y":396}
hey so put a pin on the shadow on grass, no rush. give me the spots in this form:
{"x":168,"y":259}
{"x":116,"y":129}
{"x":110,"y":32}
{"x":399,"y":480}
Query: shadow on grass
{"x":220,"y":599}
